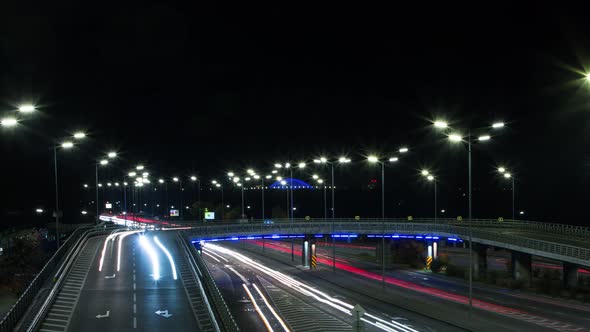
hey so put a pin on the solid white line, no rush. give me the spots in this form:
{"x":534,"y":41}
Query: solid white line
{"x":238,"y":274}
{"x":208,"y":254}
{"x":134,"y":322}
{"x":271,"y":309}
{"x":258,"y":309}
{"x":216,"y":255}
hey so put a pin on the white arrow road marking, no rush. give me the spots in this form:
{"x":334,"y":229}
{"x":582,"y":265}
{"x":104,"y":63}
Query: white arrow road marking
{"x":110,"y":277}
{"x":163,"y":313}
{"x":103,"y":316}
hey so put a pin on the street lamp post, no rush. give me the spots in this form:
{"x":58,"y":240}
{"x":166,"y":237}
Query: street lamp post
{"x":198,"y":181}
{"x":375,"y":159}
{"x":219,"y":185}
{"x":324,"y":160}
{"x":509,"y":176}
{"x":426,"y":174}
{"x":64,"y":145}
{"x":457,"y":138}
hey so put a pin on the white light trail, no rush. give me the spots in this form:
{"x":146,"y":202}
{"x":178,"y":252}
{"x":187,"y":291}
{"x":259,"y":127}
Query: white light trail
{"x":260,"y":313}
{"x":271,"y":309}
{"x":218,"y":256}
{"x":208,"y":254}
{"x":147,"y":246}
{"x":313,"y":292}
{"x":104,"y":249}
{"x":172,"y":265}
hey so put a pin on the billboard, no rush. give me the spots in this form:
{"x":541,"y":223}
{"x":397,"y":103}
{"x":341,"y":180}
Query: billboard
{"x":174,"y":213}
{"x":210,"y":215}
{"x":109,"y":205}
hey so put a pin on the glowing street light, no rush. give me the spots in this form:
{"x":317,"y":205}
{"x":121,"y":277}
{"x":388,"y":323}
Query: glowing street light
{"x":230,"y":174}
{"x":161,"y":180}
{"x":112,"y":154}
{"x":39,"y":211}
{"x":441,"y":124}
{"x":484,"y":138}
{"x":8,"y":122}
{"x":67,"y":145}
{"x":139,"y":167}
{"x":26,"y":108}
{"x":507,"y":175}
{"x":455,"y":138}
{"x":403,"y":150}
{"x":132,"y":174}
{"x":373,"y":159}
{"x":430,"y":178}
{"x":501,"y":169}
{"x":393,"y":159}
{"x":193,"y":178}
{"x":277,"y":165}
{"x":104,"y":162}
{"x":79,"y":135}
{"x":498,"y":125}
{"x":301,"y":165}
{"x":175,"y":179}
{"x":425,"y":172}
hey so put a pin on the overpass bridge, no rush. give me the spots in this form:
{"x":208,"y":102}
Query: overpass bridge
{"x":57,"y":292}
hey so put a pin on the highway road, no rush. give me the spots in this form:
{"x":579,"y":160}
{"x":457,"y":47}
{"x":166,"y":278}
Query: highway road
{"x":516,"y":311}
{"x":305,"y":305}
{"x":124,"y":295}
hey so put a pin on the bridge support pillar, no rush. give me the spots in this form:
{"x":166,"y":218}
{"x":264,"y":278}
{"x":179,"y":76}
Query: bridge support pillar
{"x":306,"y":250}
{"x":480,"y":261}
{"x":570,"y":275}
{"x":522,"y":267}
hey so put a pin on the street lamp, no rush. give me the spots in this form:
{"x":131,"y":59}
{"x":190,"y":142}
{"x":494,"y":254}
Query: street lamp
{"x":430,"y":178}
{"x":176,"y":179}
{"x":64,"y":145}
{"x":373,"y":160}
{"x":508,"y":176}
{"x":455,"y":137}
{"x":220,"y":186}
{"x":324,"y":160}
{"x":79,"y":135}
{"x":193,"y":180}
{"x":8,"y":122}
{"x":26,"y":108}
{"x":112,"y":154}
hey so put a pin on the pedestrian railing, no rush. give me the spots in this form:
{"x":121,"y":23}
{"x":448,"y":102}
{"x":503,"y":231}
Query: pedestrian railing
{"x":221,"y":309}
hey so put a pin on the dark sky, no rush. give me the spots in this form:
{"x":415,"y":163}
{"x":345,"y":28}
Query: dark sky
{"x":188,"y":88}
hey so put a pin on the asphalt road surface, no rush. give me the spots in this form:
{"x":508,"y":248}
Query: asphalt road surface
{"x":130,"y":299}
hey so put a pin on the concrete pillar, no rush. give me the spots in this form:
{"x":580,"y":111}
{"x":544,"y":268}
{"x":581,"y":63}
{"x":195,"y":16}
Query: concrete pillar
{"x":480,"y":261}
{"x":522,"y":267}
{"x":570,"y":275}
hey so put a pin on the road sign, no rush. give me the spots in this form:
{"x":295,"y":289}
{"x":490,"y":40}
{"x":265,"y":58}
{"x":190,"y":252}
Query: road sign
{"x":174,"y":213}
{"x":108,"y":205}
{"x":357,"y":217}
{"x":210,"y":215}
{"x":500,"y":219}
{"x":410,"y":218}
{"x":459,"y":218}
{"x":307,"y":218}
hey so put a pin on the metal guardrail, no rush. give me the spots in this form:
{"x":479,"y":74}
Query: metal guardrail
{"x":524,"y":225}
{"x":564,"y":251}
{"x":63,"y":271}
{"x":221,"y":308}
{"x":24,"y":301}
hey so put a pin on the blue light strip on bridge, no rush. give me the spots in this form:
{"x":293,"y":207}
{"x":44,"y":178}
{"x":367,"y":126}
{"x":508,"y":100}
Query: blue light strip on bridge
{"x":335,"y":236}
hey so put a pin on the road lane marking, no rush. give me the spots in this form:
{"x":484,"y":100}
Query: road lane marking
{"x":238,"y":274}
{"x":134,"y":322}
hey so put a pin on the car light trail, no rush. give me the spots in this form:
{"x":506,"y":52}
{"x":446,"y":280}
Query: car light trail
{"x":123,"y":235}
{"x":488,"y":306}
{"x":209,"y":254}
{"x":172,"y":265}
{"x":310,"y":291}
{"x":271,"y":309}
{"x":260,"y":313}
{"x":147,"y":246}
{"x":104,"y":249}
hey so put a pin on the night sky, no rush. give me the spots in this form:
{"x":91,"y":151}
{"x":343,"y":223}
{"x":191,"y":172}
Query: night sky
{"x":193,"y":89}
